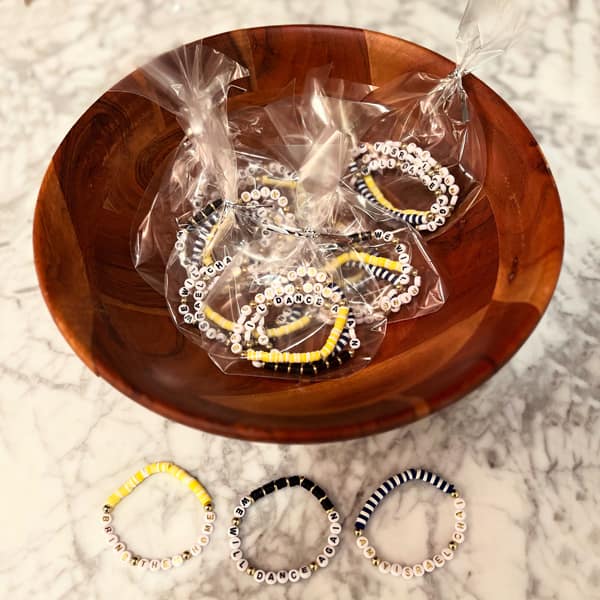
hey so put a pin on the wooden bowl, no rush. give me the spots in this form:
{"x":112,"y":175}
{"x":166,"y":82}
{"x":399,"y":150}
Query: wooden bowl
{"x":501,"y":260}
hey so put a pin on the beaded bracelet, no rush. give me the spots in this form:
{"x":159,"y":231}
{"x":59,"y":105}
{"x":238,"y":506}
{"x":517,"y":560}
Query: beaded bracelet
{"x":411,"y":160}
{"x":428,"y":565}
{"x":291,"y":575}
{"x":155,"y":564}
{"x":403,"y":279}
{"x":300,"y":287}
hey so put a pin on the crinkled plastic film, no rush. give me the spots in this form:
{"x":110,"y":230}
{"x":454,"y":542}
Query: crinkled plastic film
{"x":191,"y":82}
{"x":282,"y":308}
{"x":424,"y":160}
{"x":264,"y":225}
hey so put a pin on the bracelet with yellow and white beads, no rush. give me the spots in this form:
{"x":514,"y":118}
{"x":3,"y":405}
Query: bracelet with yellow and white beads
{"x":156,"y":564}
{"x":413,"y":161}
{"x":430,"y":564}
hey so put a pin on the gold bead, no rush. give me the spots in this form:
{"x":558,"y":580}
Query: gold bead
{"x":313,"y":566}
{"x":134,"y":561}
{"x":375,"y":561}
{"x":251,"y":570}
{"x":186,"y":555}
{"x":452,"y":546}
{"x":455,"y":494}
{"x":106,"y":509}
{"x":208,"y":507}
{"x":235,"y":521}
{"x":357,"y":532}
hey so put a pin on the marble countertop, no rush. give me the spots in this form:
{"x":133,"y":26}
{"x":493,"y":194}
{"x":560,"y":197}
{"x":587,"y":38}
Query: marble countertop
{"x":524,"y":447}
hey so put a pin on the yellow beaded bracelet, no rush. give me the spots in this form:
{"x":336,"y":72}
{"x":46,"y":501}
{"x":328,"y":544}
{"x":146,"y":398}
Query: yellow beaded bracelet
{"x":155,"y":564}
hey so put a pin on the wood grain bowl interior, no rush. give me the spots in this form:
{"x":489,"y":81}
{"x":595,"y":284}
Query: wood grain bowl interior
{"x":501,"y":260}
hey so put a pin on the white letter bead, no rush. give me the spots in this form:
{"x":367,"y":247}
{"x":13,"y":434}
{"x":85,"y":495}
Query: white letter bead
{"x":428,"y":565}
{"x":203,"y":540}
{"x":439,"y":560}
{"x":119,"y":547}
{"x":112,"y":539}
{"x":329,"y":551}
{"x":369,"y":552}
{"x":407,"y":573}
{"x":322,"y":561}
{"x":177,"y":560}
{"x":362,"y":541}
{"x":154,"y":564}
{"x":333,"y":516}
{"x":271,"y":578}
{"x":305,"y":572}
{"x":447,"y":554}
{"x":418,"y":570}
{"x":282,"y":576}
{"x":335,"y":528}
{"x":294,"y":576}
{"x":235,"y":542}
{"x":165,"y":564}
{"x":333,"y":540}
{"x":106,"y":518}
{"x":242,"y":564}
{"x":207,"y":528}
{"x":196,"y":549}
{"x":396,"y":570}
{"x":384,"y":566}
{"x":236,"y":554}
{"x":460,"y":526}
{"x":460,"y":515}
{"x":210,"y":516}
{"x":259,"y":575}
{"x":239,"y":511}
{"x":459,"y":503}
{"x":458,"y":537}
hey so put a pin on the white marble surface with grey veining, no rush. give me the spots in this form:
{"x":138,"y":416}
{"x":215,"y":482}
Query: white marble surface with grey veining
{"x":525,"y":447}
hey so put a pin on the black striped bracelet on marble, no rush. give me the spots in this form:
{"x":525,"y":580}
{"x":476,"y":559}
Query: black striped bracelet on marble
{"x":294,"y":575}
{"x":407,"y":571}
{"x":393,"y":482}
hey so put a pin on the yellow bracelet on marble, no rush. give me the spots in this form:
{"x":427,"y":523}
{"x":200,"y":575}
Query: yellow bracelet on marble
{"x":155,"y":564}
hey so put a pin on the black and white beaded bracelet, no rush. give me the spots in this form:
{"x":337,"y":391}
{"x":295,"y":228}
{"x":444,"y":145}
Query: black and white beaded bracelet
{"x":409,"y":160}
{"x":428,"y":565}
{"x":285,"y":575}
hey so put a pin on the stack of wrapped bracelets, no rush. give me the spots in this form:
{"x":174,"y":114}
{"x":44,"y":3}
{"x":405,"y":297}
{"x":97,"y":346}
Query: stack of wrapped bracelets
{"x":333,"y":519}
{"x":282,"y":306}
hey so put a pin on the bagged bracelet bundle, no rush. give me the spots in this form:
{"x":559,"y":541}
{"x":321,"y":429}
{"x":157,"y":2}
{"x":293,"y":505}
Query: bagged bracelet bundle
{"x":287,"y":236}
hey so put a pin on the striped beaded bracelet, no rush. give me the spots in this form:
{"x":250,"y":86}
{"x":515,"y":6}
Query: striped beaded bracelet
{"x":428,"y":565}
{"x":156,"y":564}
{"x":410,"y":160}
{"x":291,"y":575}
